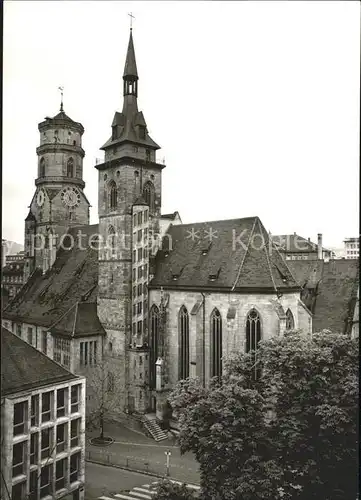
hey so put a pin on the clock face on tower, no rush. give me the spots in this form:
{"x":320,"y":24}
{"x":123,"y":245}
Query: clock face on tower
{"x":40,"y":198}
{"x":70,"y":196}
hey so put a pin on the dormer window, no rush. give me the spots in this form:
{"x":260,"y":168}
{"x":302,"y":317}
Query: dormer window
{"x":142,"y":132}
{"x":213,"y":275}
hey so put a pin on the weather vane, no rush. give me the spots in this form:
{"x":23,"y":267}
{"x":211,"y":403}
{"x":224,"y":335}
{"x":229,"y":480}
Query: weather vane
{"x":131,"y":20}
{"x":61,"y":93}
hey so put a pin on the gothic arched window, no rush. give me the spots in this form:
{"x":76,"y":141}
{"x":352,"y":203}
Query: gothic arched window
{"x":216,"y":343}
{"x":70,"y":168}
{"x":183,"y":343}
{"x":113,"y":195}
{"x":290,"y":322}
{"x":148,"y":194}
{"x":154,"y":343}
{"x":42,"y":168}
{"x":253,"y":337}
{"x":111,"y":237}
{"x":253,"y":330}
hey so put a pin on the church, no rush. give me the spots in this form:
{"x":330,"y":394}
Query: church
{"x":158,"y":299}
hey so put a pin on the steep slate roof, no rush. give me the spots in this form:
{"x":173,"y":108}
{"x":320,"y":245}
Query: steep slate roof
{"x":330,"y":290}
{"x":23,"y":367}
{"x":130,"y":68}
{"x":170,"y":216}
{"x":45,"y":298}
{"x":80,"y":320}
{"x":223,"y":263}
{"x":294,"y":243}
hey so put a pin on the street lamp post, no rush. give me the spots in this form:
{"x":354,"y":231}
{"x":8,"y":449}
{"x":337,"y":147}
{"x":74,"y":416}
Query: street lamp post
{"x":167,"y":454}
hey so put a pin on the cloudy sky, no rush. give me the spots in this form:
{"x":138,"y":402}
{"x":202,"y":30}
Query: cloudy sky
{"x":255,"y":104}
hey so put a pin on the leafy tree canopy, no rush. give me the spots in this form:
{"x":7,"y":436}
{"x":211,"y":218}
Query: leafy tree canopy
{"x":278,"y":425}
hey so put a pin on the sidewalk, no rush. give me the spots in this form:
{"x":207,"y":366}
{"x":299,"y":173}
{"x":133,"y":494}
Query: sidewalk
{"x":135,"y":451}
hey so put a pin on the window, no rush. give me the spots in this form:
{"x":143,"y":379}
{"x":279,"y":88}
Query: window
{"x":134,"y":274}
{"x":139,"y":308}
{"x":134,"y":309}
{"x":112,"y":189}
{"x":42,"y":168}
{"x":139,"y":235}
{"x":18,"y":459}
{"x":34,"y":411}
{"x":154,"y":343}
{"x":134,"y":291}
{"x":140,"y":254}
{"x":46,"y":480}
{"x":145,"y":307}
{"x":140,"y":272}
{"x":134,"y":255}
{"x":140,"y":290}
{"x":147,"y":155}
{"x":18,"y":330}
{"x":62,"y":351}
{"x":253,"y":336}
{"x":216,"y":344}
{"x":18,"y":491}
{"x":60,"y":402}
{"x":145,"y":270}
{"x":148,"y":194}
{"x":60,"y":438}
{"x":88,"y":353}
{"x":44,"y":346}
{"x":70,"y":168}
{"x":183,"y":336}
{"x":34,"y":440}
{"x":19,"y":418}
{"x":290,"y":322}
{"x":134,"y":219}
{"x":74,"y":467}
{"x":146,"y":213}
{"x":33,"y":487}
{"x":74,"y":433}
{"x":140,"y":218}
{"x":75,"y":395}
{"x":139,"y":327}
{"x":46,"y":406}
{"x":30,"y":335}
{"x":111,"y":237}
{"x":46,"y":442}
{"x":60,"y":472}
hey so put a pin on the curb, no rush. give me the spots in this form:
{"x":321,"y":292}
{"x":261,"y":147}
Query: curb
{"x":152,"y":474}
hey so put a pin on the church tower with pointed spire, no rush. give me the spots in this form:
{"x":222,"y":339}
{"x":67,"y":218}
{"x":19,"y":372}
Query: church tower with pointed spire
{"x":59,"y":200}
{"x":129,"y":213}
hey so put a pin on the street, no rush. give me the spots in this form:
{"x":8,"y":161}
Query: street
{"x":103,"y":480}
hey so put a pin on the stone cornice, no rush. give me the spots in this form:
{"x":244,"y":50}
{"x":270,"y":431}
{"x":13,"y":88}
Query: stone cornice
{"x":58,"y":148}
{"x":128,"y":160}
{"x":59,"y":180}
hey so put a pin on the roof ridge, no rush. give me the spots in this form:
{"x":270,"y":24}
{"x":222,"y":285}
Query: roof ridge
{"x":244,"y":256}
{"x":218,"y":220}
{"x":269,"y":263}
{"x":75,"y":318}
{"x":62,"y":316}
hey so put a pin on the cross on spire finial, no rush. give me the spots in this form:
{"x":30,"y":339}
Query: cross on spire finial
{"x":61,"y":101}
{"x":131,"y":20}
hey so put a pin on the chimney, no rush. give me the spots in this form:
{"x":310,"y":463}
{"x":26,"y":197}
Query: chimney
{"x":319,"y":246}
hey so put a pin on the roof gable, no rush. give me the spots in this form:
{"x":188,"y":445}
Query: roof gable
{"x":23,"y":367}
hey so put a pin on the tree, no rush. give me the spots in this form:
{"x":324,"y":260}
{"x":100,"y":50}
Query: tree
{"x":104,"y":388}
{"x":291,"y":433}
{"x":167,"y":490}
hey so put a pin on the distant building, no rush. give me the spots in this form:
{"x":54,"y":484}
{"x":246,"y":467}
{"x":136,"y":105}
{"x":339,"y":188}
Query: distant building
{"x":12,"y":276}
{"x":295,"y":247}
{"x":352,"y":248}
{"x":42,"y":424}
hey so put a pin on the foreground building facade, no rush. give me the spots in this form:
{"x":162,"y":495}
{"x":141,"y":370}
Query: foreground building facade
{"x":161,"y":300}
{"x":42,"y":424}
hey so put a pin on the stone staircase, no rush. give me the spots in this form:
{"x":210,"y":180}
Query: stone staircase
{"x":151,"y":425}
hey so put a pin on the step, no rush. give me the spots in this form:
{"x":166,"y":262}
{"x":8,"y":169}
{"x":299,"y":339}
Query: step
{"x":141,"y":496}
{"x":143,"y":490}
{"x":131,"y":496}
